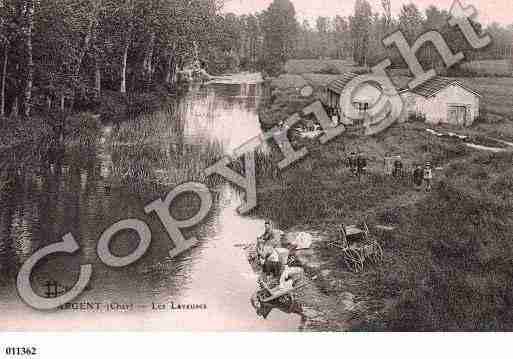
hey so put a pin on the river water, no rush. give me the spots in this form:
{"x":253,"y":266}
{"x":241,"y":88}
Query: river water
{"x":88,"y":188}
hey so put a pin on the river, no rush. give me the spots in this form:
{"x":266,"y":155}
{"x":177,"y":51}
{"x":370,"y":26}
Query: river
{"x":88,"y":188}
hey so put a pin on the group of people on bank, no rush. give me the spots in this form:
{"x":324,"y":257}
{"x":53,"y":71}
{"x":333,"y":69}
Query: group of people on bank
{"x":421,"y":175}
{"x":273,"y":254}
{"x":357,"y":163}
{"x":393,"y":166}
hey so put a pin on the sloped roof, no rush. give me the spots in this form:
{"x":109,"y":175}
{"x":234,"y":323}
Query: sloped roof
{"x":339,"y":85}
{"x":427,"y":89}
{"x":436,"y":84}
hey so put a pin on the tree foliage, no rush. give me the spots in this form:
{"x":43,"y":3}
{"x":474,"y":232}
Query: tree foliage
{"x":56,"y":53}
{"x":360,"y":24}
{"x":280,"y":28}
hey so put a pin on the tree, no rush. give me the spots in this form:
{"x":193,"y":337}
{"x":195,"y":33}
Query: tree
{"x":360,"y":26}
{"x":127,"y":16}
{"x":29,"y":27}
{"x":58,"y":50}
{"x":411,"y":22}
{"x":253,"y":30}
{"x":502,"y":37}
{"x":322,"y":24}
{"x":58,"y":38}
{"x":435,"y":20}
{"x":342,"y":37}
{"x":387,"y":13}
{"x":280,"y":30}
{"x":5,"y":32}
{"x":230,"y":36}
{"x":378,"y":30}
{"x":305,"y":41}
{"x":17,"y":20}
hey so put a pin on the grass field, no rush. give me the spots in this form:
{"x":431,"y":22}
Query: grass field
{"x":497,"y":94}
{"x":299,"y":67}
{"x":448,"y":261}
{"x":465,"y":220}
{"x":489,"y":67}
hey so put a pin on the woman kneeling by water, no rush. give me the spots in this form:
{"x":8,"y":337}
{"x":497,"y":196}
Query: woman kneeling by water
{"x":271,"y":261}
{"x":289,"y":276}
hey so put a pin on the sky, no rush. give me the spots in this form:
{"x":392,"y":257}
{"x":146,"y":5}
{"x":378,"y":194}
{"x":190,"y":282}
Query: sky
{"x":488,"y":10}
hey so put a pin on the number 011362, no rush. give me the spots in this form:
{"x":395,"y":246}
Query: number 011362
{"x":21,"y":351}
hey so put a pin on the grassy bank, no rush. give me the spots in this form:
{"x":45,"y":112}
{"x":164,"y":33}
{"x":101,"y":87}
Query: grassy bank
{"x":488,"y":67}
{"x":450,"y":257}
{"x":117,"y":107}
{"x":46,"y":128}
{"x":46,"y":135}
{"x":321,"y":66}
{"x":446,"y":261}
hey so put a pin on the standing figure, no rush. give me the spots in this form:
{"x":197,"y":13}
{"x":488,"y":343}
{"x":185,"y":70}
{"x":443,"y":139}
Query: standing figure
{"x":387,"y":164}
{"x":398,"y":168}
{"x":289,"y":276}
{"x":353,"y":163}
{"x":428,"y":176}
{"x":268,"y":232}
{"x":361,"y":164}
{"x":271,"y":262}
{"x":263,"y":240}
{"x":417,"y":176}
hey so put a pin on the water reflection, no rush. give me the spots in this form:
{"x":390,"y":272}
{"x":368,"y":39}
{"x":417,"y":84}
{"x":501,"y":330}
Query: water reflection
{"x":87,"y":188}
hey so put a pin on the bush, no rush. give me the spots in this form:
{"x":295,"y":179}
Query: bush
{"x":113,"y":106}
{"x":117,"y":107}
{"x":84,"y":127}
{"x":329,"y":69}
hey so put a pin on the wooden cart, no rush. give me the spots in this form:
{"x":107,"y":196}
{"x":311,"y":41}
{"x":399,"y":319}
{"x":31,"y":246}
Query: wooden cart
{"x":357,"y":246}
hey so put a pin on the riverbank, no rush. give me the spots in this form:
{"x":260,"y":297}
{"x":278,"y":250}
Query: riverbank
{"x":45,"y":131}
{"x":136,"y":163}
{"x":318,"y":193}
{"x":115,"y":107}
{"x":447,"y":252}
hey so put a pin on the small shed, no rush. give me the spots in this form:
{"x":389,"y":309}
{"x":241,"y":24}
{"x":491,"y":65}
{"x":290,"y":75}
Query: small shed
{"x":442,"y":100}
{"x":365,"y":96}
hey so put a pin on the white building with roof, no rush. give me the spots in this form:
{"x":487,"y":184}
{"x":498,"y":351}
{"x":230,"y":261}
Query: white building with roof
{"x":364,"y":97}
{"x":442,"y":100}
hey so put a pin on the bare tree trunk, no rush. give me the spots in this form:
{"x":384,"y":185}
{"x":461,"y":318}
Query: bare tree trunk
{"x":63,"y":102}
{"x":98,"y":78}
{"x":148,"y":59}
{"x":30,"y":61}
{"x":15,"y":107}
{"x":130,"y":4}
{"x":83,"y":50}
{"x":89,"y":37}
{"x":168,"y":72}
{"x":97,"y":71}
{"x":171,"y":67}
{"x":123,"y":68}
{"x":511,"y":59}
{"x":4,"y":79}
